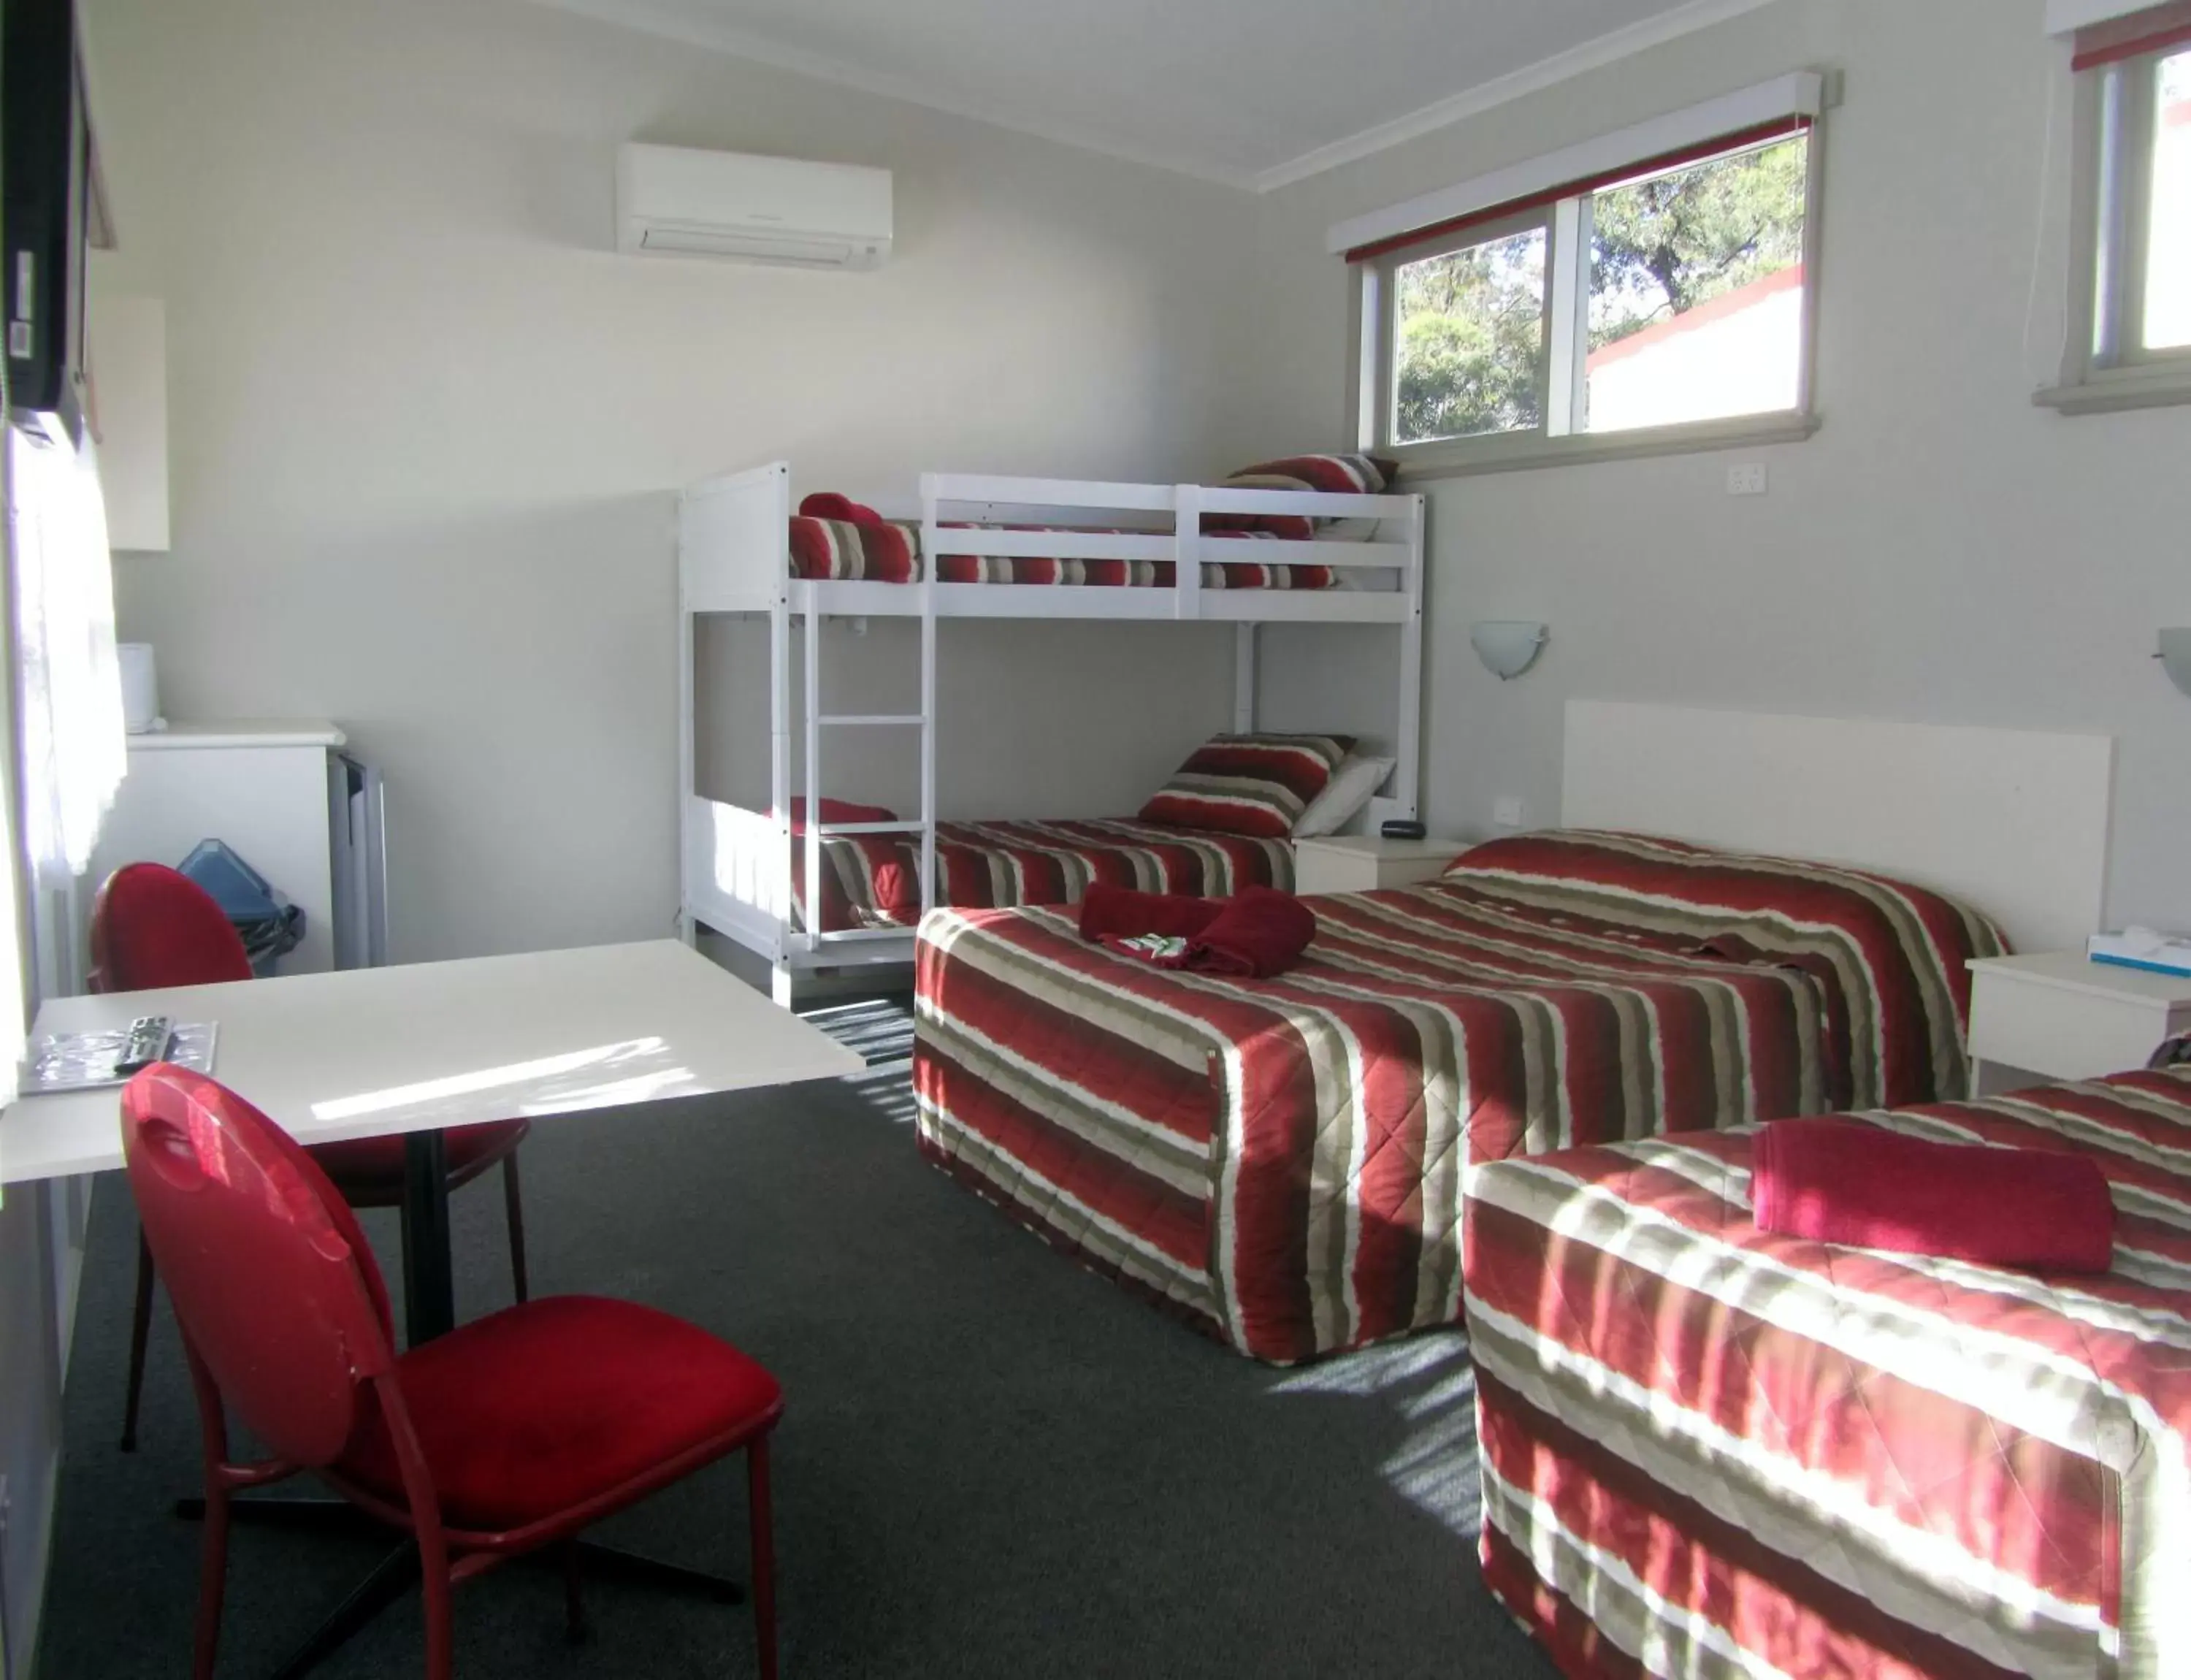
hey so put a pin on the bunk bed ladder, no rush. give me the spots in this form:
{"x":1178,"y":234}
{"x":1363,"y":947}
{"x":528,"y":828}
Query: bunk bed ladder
{"x":817,"y":723}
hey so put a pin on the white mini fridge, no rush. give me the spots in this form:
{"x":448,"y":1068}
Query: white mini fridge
{"x":290,"y":798}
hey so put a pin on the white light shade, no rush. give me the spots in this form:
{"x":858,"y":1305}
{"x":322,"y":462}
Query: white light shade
{"x":1508,"y":647}
{"x":2175,"y":656}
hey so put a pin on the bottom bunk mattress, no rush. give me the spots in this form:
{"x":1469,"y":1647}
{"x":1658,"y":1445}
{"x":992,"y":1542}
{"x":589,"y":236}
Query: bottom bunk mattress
{"x":874,"y":880}
{"x":1709,"y":1450}
{"x":1281,"y":1160}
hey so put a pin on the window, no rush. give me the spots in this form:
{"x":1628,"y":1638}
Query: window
{"x":1696,"y":293}
{"x":1468,"y":340}
{"x":1660,"y":304}
{"x":2130,"y":335}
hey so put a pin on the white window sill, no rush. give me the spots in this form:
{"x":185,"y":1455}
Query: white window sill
{"x":2115,"y":390}
{"x":1514,"y":453}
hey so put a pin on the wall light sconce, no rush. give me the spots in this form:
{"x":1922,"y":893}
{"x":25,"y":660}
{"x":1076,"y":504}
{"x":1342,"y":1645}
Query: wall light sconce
{"x":1509,"y":646}
{"x":2175,"y":656}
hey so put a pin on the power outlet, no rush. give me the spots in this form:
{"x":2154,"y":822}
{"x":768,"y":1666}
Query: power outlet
{"x":1506,"y":811}
{"x":1748,"y":478}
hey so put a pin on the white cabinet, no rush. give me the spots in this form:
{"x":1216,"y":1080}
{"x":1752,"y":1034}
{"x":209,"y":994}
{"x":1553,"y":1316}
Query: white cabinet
{"x":1365,"y":862}
{"x":2061,"y":1016}
{"x":261,"y":787}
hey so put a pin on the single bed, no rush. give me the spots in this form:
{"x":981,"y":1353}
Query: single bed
{"x":889,"y":551}
{"x":1709,"y":1450}
{"x":1282,"y":1161}
{"x":874,"y":880}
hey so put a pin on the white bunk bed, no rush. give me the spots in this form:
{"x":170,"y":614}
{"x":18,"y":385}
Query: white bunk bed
{"x":734,"y":557}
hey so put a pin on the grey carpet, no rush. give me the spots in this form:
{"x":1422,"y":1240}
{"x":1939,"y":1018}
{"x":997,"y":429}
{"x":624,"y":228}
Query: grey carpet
{"x":991,"y":1463}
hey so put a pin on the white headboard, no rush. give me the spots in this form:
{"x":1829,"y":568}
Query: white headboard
{"x":2014,"y":821}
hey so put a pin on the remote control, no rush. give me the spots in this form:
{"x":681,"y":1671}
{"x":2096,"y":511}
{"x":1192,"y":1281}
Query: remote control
{"x":149,"y":1038}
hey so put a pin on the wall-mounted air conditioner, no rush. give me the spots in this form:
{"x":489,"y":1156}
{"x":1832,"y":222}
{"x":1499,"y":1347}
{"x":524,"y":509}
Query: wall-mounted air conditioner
{"x":674,"y":202}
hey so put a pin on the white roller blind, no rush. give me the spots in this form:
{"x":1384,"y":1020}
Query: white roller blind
{"x":1800,"y":95}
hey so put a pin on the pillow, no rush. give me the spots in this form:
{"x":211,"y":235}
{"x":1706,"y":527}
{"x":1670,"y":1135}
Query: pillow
{"x":1334,"y":475}
{"x":1256,"y":785}
{"x":1890,"y":959}
{"x":1352,"y":787}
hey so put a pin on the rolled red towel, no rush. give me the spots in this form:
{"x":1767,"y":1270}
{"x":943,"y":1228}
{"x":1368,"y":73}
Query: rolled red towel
{"x":1120,"y":913}
{"x":1257,"y":934}
{"x":828,"y":505}
{"x":1844,"y":1182}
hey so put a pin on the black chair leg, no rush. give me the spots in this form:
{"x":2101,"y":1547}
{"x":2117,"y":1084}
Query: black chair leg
{"x":140,"y":1328}
{"x":574,"y":1601}
{"x":514,"y":1207}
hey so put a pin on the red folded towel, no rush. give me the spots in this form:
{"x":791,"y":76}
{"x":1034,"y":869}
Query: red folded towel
{"x":1844,"y":1182}
{"x":1120,"y":913}
{"x":1258,"y":933}
{"x":1255,"y":935}
{"x":835,"y":811}
{"x":828,"y":505}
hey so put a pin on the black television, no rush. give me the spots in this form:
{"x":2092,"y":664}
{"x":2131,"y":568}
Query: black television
{"x":50,"y":212}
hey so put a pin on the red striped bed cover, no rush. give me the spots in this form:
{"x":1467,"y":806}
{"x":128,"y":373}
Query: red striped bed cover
{"x":1281,"y":1160}
{"x":838,"y":551}
{"x":874,"y":880}
{"x":1736,"y":1453}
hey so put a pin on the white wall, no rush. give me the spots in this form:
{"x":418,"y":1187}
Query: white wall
{"x":1942,"y":550}
{"x":425,"y":421}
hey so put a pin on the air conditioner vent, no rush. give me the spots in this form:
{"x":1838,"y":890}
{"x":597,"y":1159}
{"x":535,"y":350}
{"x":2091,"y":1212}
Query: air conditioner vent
{"x":736,"y":207}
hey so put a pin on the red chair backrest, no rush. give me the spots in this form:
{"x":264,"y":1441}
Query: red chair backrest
{"x":153,"y":927}
{"x":274,"y":1285}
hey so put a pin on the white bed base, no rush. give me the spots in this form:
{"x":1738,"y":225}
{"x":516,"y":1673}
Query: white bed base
{"x":734,"y":557}
{"x":2014,"y":821}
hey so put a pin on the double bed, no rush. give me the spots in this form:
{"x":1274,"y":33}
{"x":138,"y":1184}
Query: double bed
{"x":1282,"y":1160}
{"x":1706,"y":1448}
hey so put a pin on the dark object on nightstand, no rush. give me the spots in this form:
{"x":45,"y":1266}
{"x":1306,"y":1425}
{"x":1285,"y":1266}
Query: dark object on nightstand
{"x":1399,"y":827}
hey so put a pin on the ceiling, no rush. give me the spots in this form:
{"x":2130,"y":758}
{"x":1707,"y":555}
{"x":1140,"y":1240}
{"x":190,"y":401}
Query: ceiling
{"x":1252,"y":92}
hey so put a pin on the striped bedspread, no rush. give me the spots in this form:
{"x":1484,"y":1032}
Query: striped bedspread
{"x":874,"y":880}
{"x":1742,"y":1454}
{"x":838,"y":550}
{"x":1282,"y":1161}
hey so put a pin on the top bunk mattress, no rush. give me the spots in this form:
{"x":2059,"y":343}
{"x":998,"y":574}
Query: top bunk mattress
{"x":836,"y":550}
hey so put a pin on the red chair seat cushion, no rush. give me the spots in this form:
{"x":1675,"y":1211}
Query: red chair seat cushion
{"x":536,"y":1409}
{"x":369,"y":1170}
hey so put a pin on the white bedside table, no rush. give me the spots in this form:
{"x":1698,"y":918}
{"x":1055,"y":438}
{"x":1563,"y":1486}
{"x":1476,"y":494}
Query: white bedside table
{"x":1365,"y":862}
{"x":2061,"y":1016}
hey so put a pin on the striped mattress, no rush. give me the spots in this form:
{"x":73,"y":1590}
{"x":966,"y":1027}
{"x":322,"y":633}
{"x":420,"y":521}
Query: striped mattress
{"x":874,"y":880}
{"x":1709,"y":1450}
{"x":833,"y":550}
{"x":1282,"y":1161}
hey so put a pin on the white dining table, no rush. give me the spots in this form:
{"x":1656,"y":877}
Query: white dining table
{"x":420,"y":1047}
{"x":415,"y":1049}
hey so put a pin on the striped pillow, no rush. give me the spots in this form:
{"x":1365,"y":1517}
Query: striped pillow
{"x":1256,"y":785}
{"x":1333,"y":474}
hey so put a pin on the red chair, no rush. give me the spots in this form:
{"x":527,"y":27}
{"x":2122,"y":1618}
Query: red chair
{"x":153,"y":928}
{"x":506,"y":1435}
